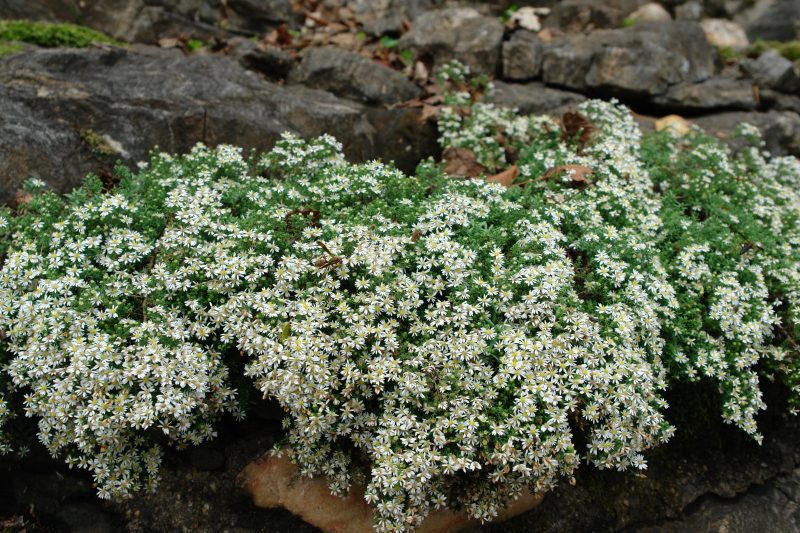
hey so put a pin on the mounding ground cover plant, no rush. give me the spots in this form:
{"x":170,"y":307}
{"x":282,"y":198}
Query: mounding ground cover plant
{"x":447,"y":342}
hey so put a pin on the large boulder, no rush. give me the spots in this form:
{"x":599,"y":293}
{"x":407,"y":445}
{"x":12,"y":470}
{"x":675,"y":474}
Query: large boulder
{"x":58,"y":105}
{"x":147,"y":21}
{"x":460,"y":33}
{"x":352,"y":76}
{"x":643,"y":60}
{"x":47,"y":10}
{"x":777,"y":20}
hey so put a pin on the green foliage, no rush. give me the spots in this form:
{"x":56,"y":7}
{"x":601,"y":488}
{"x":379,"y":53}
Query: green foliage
{"x":508,"y":13}
{"x":446,"y":342}
{"x":388,"y":43}
{"x":728,"y":53}
{"x":193,"y":45}
{"x":51,"y":35}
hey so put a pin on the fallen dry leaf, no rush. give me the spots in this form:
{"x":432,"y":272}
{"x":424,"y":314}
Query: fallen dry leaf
{"x":577,"y":173}
{"x":505,"y":178}
{"x":280,"y":36}
{"x":461,"y":162}
{"x":757,"y":95}
{"x":434,"y":99}
{"x":429,"y":112}
{"x":575,"y":124}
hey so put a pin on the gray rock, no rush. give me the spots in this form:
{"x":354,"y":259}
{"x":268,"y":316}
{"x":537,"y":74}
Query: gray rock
{"x":781,"y":129}
{"x":772,"y":20}
{"x":566,"y":62}
{"x":780,"y":101}
{"x":253,"y":16}
{"x":522,"y":56}
{"x":352,"y":76}
{"x":368,"y":12}
{"x":138,"y":21}
{"x":147,"y":21}
{"x":717,"y":93}
{"x":460,"y":33}
{"x":533,"y":98}
{"x":576,"y":16}
{"x":643,"y":60}
{"x":47,"y":10}
{"x":642,"y":68}
{"x":391,"y":24}
{"x":773,"y":70}
{"x":138,"y":100}
{"x":690,"y":11}
{"x":273,"y":62}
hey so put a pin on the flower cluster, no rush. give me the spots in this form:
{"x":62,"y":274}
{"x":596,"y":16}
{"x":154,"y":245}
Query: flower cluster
{"x":443,"y":342}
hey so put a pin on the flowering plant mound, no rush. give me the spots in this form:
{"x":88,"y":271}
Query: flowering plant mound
{"x":446,"y":342}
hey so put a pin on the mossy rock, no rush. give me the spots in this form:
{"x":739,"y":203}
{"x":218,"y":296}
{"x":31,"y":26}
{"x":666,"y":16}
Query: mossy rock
{"x":8,"y":48}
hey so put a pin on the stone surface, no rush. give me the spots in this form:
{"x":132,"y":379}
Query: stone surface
{"x":642,"y":60}
{"x":533,"y":98}
{"x":773,"y":70}
{"x":723,"y":32}
{"x":645,"y":68}
{"x":705,"y":457}
{"x":274,"y":482}
{"x":781,"y":129}
{"x":50,"y":96}
{"x":691,"y":10}
{"x":577,"y":16}
{"x":273,"y":62}
{"x":773,"y":507}
{"x":522,"y":56}
{"x":147,"y":21}
{"x":566,"y":62}
{"x":385,"y":16}
{"x":352,"y":76}
{"x":652,"y":12}
{"x":460,"y":33}
{"x":717,"y":93}
{"x":772,"y":20}
{"x":47,"y":10}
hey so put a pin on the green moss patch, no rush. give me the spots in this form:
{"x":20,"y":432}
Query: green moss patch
{"x":50,"y":35}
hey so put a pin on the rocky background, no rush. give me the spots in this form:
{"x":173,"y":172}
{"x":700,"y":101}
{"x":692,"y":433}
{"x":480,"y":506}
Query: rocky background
{"x":244,"y":71}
